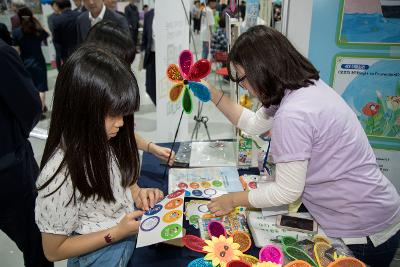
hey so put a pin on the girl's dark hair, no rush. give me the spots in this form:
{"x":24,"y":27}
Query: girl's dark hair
{"x":271,"y":64}
{"x":110,"y":36}
{"x":93,"y":84}
{"x":29,"y":24}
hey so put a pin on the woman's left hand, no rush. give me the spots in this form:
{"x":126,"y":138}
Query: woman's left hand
{"x":162,"y":153}
{"x":222,"y":205}
{"x":146,"y":198}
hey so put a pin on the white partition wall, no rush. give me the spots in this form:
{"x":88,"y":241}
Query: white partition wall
{"x":171,"y":37}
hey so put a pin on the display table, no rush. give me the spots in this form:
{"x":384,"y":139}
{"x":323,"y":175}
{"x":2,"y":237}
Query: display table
{"x":162,"y":254}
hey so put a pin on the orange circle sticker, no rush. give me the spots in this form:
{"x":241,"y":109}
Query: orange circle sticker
{"x":194,"y":185}
{"x":174,"y":203}
{"x":172,"y":216}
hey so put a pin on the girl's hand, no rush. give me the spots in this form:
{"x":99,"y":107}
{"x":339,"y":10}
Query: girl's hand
{"x":146,"y":198}
{"x":129,"y":225}
{"x":222,"y":205}
{"x":162,"y":153}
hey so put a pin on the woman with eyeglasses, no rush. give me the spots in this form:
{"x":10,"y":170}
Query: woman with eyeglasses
{"x":320,"y":149}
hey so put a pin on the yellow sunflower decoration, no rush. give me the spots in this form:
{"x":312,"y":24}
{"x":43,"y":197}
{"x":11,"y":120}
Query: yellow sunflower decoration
{"x":266,"y":264}
{"x":221,"y":250}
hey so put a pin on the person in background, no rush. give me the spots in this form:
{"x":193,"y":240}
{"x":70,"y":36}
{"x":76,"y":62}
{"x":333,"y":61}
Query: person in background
{"x":65,"y":36}
{"x":207,"y":24}
{"x":149,"y":61}
{"x":195,"y":12}
{"x":112,"y":5}
{"x":50,"y":22}
{"x":145,"y":9}
{"x":219,"y":42}
{"x":96,"y":12}
{"x":318,"y":145}
{"x":15,"y":21}
{"x":132,"y":15}
{"x":242,"y":9}
{"x":104,"y":35}
{"x":20,"y":110}
{"x":5,"y":34}
{"x":29,"y":38}
{"x":79,"y":6}
{"x":87,"y":187}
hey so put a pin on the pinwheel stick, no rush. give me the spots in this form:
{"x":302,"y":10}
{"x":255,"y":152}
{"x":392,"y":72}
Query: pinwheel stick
{"x":173,"y":144}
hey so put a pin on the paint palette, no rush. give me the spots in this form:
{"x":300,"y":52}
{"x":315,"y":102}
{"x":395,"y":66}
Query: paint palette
{"x":163,"y":222}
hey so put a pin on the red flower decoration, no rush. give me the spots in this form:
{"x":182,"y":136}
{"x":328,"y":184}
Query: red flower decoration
{"x":371,"y":108}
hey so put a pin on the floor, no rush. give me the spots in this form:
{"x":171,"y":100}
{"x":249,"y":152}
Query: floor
{"x":219,"y":128}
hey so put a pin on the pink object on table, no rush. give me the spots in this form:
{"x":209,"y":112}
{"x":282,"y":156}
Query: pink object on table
{"x":271,"y":253}
{"x":216,"y":228}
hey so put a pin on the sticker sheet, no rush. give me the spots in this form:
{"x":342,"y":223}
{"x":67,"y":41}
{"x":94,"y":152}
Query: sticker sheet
{"x":205,"y":182}
{"x":163,"y":222}
{"x":195,"y":210}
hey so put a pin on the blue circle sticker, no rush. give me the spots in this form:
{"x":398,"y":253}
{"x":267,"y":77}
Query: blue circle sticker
{"x":187,"y":193}
{"x":150,"y":223}
{"x":154,"y":210}
{"x":210,"y":192}
{"x":197,"y":193}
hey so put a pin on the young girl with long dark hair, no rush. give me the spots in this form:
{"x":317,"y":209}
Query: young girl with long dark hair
{"x":115,"y":39}
{"x":87,"y":186}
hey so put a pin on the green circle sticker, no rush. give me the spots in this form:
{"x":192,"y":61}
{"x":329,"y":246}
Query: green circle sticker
{"x":171,"y":231}
{"x":217,"y":183}
{"x":194,"y":219}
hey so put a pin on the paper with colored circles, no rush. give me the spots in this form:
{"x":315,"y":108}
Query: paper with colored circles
{"x":163,"y":222}
{"x":205,"y":182}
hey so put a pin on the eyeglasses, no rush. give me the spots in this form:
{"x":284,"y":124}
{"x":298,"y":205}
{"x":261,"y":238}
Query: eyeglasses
{"x":241,"y":80}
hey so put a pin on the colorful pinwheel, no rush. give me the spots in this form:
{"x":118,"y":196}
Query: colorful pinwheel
{"x":187,"y":76}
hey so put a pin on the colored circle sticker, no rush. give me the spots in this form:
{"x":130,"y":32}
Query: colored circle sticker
{"x":154,"y":210}
{"x":172,"y":216}
{"x":150,"y":223}
{"x":174,"y":203}
{"x":171,"y":231}
{"x":203,"y":208}
{"x":197,"y":193}
{"x":210,"y":192}
{"x":205,"y":184}
{"x":187,"y":193}
{"x":252,"y":185}
{"x":194,"y":185}
{"x":176,"y":194}
{"x":194,"y":219}
{"x":217,"y":183}
{"x":182,"y":185}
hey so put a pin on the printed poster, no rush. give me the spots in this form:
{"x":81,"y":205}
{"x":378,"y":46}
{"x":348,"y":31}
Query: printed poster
{"x":371,"y":87}
{"x":369,"y":22}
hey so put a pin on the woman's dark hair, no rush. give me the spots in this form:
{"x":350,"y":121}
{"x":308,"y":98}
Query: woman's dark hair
{"x":29,"y":24}
{"x":271,"y":64}
{"x":110,"y":36}
{"x":93,"y":84}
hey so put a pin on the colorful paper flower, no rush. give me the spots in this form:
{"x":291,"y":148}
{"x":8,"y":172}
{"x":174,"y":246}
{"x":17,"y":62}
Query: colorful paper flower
{"x":221,"y":250}
{"x":187,"y":76}
{"x":371,"y":108}
{"x":266,"y":264}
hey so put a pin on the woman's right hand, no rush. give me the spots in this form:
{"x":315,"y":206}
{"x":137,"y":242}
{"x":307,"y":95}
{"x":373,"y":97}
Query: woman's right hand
{"x":129,"y":225}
